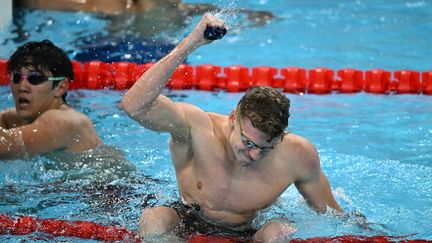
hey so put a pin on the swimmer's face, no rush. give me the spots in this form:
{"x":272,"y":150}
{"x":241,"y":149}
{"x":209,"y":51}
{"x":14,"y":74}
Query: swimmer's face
{"x":250,"y":144}
{"x":31,"y":100}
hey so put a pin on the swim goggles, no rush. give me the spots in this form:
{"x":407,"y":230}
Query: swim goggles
{"x":34,"y":78}
{"x":248,"y":143}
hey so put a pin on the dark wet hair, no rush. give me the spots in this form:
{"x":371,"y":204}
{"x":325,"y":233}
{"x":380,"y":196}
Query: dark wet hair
{"x":42,"y":56}
{"x":267,"y":109}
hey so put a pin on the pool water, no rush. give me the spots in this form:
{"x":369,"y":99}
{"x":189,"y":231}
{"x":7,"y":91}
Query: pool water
{"x":376,"y":150}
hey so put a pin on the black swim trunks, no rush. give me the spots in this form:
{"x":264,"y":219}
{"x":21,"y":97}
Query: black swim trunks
{"x":192,"y":221}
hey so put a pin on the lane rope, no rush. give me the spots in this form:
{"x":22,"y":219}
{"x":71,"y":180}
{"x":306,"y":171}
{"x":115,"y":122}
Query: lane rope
{"x":237,"y":78}
{"x":24,"y":225}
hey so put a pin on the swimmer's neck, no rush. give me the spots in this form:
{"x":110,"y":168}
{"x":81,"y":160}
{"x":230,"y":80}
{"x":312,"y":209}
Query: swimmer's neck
{"x":56,"y":105}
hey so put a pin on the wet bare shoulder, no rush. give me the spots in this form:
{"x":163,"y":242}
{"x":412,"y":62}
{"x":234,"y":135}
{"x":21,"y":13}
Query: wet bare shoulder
{"x":77,"y":129}
{"x":303,"y":155}
{"x":194,"y":115}
{"x":216,"y":117}
{"x":69,"y":118}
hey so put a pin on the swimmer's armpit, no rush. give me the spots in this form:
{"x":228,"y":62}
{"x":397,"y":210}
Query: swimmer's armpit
{"x":12,"y":144}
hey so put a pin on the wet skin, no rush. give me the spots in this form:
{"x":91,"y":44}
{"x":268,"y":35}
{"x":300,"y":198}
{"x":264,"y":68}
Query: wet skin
{"x":214,"y":168}
{"x":41,"y":122}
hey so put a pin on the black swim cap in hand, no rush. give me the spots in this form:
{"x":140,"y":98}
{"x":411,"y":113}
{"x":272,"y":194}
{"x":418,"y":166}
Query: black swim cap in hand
{"x":214,"y":33}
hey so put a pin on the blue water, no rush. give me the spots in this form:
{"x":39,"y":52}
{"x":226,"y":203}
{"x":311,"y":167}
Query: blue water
{"x":376,"y":150}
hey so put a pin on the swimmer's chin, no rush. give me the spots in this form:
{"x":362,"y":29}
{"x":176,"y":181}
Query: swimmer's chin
{"x":244,"y":163}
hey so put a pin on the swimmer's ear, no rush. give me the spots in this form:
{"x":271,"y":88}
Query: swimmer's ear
{"x":62,"y":88}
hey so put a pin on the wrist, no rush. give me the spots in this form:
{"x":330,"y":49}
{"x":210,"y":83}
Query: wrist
{"x":189,"y":45}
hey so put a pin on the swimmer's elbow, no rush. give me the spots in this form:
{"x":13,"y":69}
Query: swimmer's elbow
{"x":124,"y":105}
{"x":9,"y":153}
{"x":137,"y":110}
{"x":8,"y":144}
{"x":129,"y":107}
{"x":10,"y":149}
{"x":5,"y":157}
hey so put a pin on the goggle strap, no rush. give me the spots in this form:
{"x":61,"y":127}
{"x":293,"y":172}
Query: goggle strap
{"x":56,"y":78}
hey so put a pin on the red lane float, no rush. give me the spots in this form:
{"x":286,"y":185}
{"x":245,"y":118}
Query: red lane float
{"x":295,"y":79}
{"x":23,"y":225}
{"x":237,"y":78}
{"x":263,"y":76}
{"x":377,"y":81}
{"x":123,"y":74}
{"x":320,"y":81}
{"x":408,"y":82}
{"x":206,"y":77}
{"x":4,"y":76}
{"x":79,"y":81}
{"x":350,"y":80}
{"x":97,"y":75}
{"x":427,"y":83}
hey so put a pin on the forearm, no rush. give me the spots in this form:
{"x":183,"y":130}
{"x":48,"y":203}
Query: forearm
{"x":334,"y":205}
{"x":318,"y":194}
{"x":148,"y":87}
{"x":324,"y":201}
{"x":11,"y":144}
{"x":323,"y":205}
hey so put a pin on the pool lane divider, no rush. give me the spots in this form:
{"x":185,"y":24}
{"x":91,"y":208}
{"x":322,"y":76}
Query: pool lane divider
{"x":24,"y":225}
{"x":237,"y":78}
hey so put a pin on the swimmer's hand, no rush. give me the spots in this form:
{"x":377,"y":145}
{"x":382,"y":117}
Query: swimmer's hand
{"x":358,"y":219}
{"x":210,"y":28}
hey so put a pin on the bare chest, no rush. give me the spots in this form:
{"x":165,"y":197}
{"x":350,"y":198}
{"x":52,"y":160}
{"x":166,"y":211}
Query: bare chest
{"x":213,"y":181}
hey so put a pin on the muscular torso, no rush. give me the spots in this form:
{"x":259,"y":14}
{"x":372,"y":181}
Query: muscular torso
{"x":225,"y":190}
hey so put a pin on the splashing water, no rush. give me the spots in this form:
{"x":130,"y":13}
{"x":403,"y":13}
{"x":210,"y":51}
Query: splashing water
{"x":17,"y":139}
{"x":229,"y":12}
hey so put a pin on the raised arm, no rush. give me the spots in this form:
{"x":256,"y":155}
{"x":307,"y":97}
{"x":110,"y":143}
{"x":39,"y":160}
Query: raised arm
{"x":312,"y":183}
{"x":144,"y":102}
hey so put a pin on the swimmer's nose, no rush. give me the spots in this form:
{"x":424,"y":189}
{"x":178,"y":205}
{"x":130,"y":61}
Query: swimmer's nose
{"x":254,"y":153}
{"x":24,"y":85}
